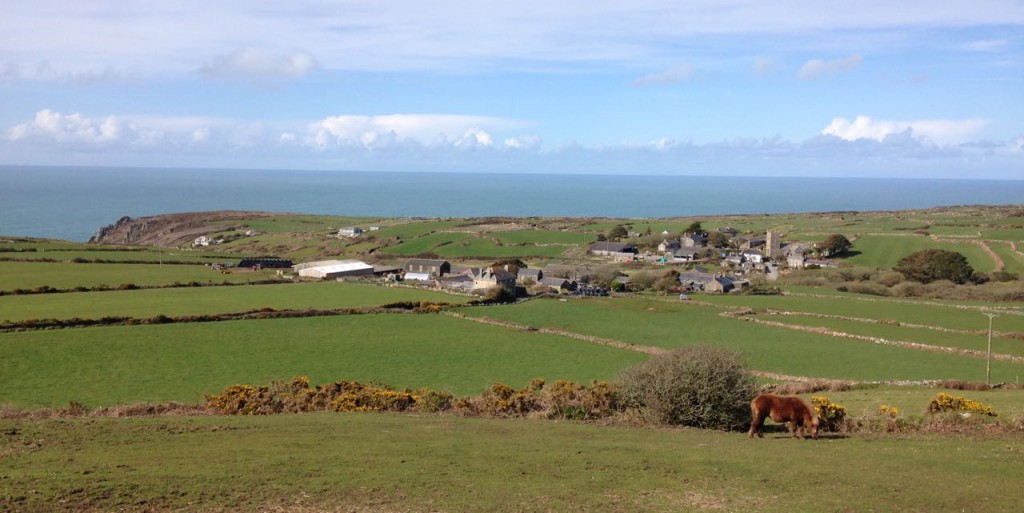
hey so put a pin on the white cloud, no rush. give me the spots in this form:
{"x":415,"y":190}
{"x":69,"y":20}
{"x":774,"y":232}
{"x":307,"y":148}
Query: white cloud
{"x":411,"y":34}
{"x":425,"y":129}
{"x":255,"y":63}
{"x":49,"y":126}
{"x":818,"y":68}
{"x":938,"y":131}
{"x":74,"y":127}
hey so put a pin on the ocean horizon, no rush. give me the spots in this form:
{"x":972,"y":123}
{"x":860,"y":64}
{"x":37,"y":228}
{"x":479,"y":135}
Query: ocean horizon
{"x":71,"y":203}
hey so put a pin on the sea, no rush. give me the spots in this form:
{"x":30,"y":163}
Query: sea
{"x":71,"y":203}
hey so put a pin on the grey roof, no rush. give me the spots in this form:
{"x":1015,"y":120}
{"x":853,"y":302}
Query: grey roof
{"x":614,"y":247}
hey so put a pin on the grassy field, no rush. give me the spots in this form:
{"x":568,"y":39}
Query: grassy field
{"x":30,"y":275}
{"x":396,"y":463}
{"x":210,"y":300}
{"x":976,"y":341}
{"x":654,"y":322}
{"x":930,"y":313}
{"x":182,"y":362}
{"x":886,"y":251}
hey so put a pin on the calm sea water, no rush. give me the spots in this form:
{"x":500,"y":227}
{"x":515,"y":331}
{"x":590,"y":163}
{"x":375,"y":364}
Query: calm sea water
{"x":71,"y":202}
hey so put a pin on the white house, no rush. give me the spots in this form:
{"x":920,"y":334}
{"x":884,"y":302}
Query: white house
{"x":351,"y":231}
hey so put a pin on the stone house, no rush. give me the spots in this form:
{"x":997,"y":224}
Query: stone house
{"x":432,"y":268}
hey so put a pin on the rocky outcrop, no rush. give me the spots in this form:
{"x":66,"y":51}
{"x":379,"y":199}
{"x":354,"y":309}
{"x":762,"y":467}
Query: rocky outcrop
{"x":168,"y":229}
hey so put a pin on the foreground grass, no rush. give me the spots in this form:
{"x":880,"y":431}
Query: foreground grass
{"x":183,"y":362}
{"x":396,"y":463}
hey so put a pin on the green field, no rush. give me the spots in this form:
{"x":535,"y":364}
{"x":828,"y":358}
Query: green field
{"x":976,"y":341}
{"x":30,"y":275}
{"x":930,"y":313}
{"x":182,"y":362}
{"x":886,"y":251}
{"x":399,"y":463}
{"x":652,"y":322}
{"x":210,"y":300}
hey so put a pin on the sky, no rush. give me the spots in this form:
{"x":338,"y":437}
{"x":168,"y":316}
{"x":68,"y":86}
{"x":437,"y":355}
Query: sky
{"x":872,"y":88}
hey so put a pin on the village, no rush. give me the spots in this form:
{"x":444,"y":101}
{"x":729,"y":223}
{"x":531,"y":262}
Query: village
{"x":722,"y":261}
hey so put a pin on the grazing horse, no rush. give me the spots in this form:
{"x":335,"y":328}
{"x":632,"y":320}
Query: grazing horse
{"x":782,"y":409}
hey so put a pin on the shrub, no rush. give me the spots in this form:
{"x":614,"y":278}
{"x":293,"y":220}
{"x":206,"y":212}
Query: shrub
{"x":573,"y":401}
{"x":944,"y":402}
{"x":831,"y":416}
{"x":502,"y":400}
{"x":699,"y":386}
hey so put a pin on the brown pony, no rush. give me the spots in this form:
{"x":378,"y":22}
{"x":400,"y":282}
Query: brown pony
{"x":782,"y":409}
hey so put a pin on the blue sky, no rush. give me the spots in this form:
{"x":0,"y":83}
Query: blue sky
{"x":791,"y":88}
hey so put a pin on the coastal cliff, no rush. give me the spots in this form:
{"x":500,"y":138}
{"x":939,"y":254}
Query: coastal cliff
{"x":168,"y":229}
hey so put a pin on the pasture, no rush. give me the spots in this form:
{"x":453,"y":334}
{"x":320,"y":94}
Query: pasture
{"x":666,"y":324}
{"x":61,"y":275}
{"x":386,"y":462}
{"x":182,"y":362}
{"x":175,"y":302}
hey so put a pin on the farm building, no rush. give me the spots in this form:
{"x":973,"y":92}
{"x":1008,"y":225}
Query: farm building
{"x":338,"y":269}
{"x":266,"y":263}
{"x":559,"y":284}
{"x":616,"y":250}
{"x":529,"y":274}
{"x":350,"y":231}
{"x":431,"y":268}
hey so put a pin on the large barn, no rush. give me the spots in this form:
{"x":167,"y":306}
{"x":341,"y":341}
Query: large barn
{"x":336,"y":269}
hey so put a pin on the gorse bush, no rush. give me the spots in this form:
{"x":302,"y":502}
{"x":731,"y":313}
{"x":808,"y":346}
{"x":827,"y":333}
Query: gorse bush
{"x":831,"y":416}
{"x":944,"y":402}
{"x":700,"y":386}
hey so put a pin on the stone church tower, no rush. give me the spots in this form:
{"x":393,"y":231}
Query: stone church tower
{"x":773,"y":245}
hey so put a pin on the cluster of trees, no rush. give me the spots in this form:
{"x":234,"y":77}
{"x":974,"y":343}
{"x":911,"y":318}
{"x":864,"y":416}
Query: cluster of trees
{"x":931,"y":265}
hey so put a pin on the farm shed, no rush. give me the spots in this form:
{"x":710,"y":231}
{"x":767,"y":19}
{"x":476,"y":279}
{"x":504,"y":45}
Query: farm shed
{"x":340,"y":270}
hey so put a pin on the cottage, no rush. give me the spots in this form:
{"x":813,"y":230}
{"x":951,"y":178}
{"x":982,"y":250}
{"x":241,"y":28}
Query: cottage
{"x":720,"y":284}
{"x":200,"y":241}
{"x":694,"y":240}
{"x":351,"y":231}
{"x":488,"y":277}
{"x":457,"y":282}
{"x":530,"y":274}
{"x":669,"y":245}
{"x":751,"y":242}
{"x":559,"y":284}
{"x":683,"y":255}
{"x":753,"y":255}
{"x":432,"y":268}
{"x":695,"y":281}
{"x":796,"y":260}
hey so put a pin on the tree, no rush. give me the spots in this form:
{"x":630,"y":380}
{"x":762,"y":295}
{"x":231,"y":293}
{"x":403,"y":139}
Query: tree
{"x":617,"y":233}
{"x":930,"y":265}
{"x":718,"y":240}
{"x":835,"y":244}
{"x":694,"y":227}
